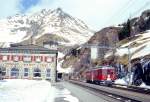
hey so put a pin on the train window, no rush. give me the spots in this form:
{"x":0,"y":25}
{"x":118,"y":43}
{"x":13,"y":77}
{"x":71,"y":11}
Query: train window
{"x":112,"y":72}
{"x":104,"y":71}
{"x":108,"y":72}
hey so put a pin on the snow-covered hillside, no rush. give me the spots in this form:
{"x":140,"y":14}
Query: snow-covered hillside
{"x":44,"y":25}
{"x":138,"y":46}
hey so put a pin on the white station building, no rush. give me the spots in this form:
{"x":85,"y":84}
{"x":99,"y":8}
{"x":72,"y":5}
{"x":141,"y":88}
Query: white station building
{"x":28,"y":62}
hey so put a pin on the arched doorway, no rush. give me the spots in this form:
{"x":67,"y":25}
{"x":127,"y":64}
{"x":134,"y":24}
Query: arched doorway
{"x":26,"y":72}
{"x":3,"y":71}
{"x":48,"y":73}
{"x":37,"y":72}
{"x":15,"y":72}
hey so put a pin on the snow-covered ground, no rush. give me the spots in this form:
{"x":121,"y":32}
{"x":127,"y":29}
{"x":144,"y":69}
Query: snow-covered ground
{"x":123,"y":81}
{"x":21,"y":90}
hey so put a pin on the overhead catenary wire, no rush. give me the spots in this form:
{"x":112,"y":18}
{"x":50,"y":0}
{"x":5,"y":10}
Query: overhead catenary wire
{"x":122,"y":11}
{"x":126,"y":9}
{"x":140,"y":9}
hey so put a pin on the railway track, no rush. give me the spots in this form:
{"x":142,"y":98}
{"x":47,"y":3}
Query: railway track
{"x":129,"y":94}
{"x":132,"y":88}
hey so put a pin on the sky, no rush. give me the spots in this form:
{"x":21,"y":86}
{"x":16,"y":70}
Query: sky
{"x":97,"y":14}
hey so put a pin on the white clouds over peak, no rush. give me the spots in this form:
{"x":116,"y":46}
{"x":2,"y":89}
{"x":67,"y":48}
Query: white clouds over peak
{"x":95,"y":13}
{"x":92,"y":12}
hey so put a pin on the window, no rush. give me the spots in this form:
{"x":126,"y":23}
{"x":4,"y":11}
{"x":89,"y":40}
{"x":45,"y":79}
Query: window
{"x":3,"y":71}
{"x":38,"y":58}
{"x":48,"y":73}
{"x":4,"y":58}
{"x":37,"y":72}
{"x":27,"y":58}
{"x":15,"y":72}
{"x":26,"y":72}
{"x":15,"y":58}
{"x":49,"y":59}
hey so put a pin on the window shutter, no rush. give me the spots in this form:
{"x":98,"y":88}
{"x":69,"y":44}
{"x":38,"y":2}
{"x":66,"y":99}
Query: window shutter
{"x":45,"y":58}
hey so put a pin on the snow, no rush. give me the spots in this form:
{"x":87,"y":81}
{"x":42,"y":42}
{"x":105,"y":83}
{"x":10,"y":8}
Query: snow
{"x":19,"y":28}
{"x":143,"y":85}
{"x":145,"y":51}
{"x":7,"y":37}
{"x":121,"y":81}
{"x":124,"y":81}
{"x":142,"y":49}
{"x":59,"y":68}
{"x":22,"y":90}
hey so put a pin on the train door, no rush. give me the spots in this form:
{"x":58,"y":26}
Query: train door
{"x":104,"y":74}
{"x":92,"y":75}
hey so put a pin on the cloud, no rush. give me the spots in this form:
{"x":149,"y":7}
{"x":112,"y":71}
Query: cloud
{"x":101,"y":13}
{"x":92,"y":12}
{"x":95,"y":13}
{"x":9,"y":8}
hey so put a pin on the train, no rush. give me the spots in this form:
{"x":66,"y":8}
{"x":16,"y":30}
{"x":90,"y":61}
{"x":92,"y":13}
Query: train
{"x":101,"y":75}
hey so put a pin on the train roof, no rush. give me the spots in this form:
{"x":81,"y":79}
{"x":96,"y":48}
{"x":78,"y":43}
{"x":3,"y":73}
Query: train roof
{"x":102,"y":67}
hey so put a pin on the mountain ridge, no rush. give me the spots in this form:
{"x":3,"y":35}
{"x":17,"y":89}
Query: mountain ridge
{"x":53,"y":22}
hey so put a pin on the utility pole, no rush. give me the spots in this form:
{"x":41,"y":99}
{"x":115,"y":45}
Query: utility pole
{"x":129,"y":54}
{"x":129,"y":65}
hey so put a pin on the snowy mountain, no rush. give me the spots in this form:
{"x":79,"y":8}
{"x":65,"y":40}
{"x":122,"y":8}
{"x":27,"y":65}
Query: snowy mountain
{"x":44,"y":26}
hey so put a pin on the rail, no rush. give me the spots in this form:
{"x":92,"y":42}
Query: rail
{"x":124,"y":94}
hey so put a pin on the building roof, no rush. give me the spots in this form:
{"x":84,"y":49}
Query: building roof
{"x":51,"y":42}
{"x":30,"y":47}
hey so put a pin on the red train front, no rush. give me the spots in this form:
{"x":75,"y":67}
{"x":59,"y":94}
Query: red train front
{"x":101,"y":74}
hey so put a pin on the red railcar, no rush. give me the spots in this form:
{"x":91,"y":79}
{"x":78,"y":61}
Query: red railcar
{"x":101,"y":74}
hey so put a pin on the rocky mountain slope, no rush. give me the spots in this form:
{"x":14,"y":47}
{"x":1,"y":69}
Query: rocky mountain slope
{"x":44,"y":26}
{"x":138,"y":38}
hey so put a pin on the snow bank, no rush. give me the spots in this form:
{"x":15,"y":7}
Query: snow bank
{"x":143,"y":85}
{"x":121,"y":81}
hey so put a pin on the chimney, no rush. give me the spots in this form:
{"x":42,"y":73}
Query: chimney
{"x":33,"y":40}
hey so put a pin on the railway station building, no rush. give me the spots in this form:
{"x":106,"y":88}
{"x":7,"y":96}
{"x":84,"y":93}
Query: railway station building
{"x":27,"y":62}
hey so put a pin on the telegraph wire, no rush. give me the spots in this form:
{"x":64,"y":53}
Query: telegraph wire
{"x":119,"y":12}
{"x":125,"y":8}
{"x":141,"y":9}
